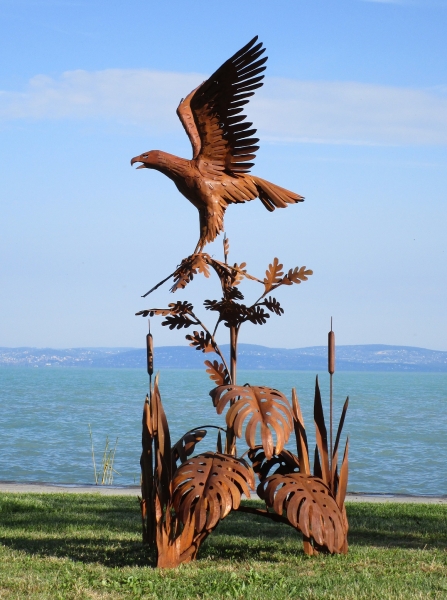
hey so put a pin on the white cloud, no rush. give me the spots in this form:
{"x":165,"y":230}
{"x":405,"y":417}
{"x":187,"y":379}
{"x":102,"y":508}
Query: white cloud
{"x":284,"y":110}
{"x":133,"y":95}
{"x":355,"y":113}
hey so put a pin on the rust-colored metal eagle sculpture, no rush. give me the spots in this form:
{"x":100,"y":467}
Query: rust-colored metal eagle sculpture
{"x":223,"y":145}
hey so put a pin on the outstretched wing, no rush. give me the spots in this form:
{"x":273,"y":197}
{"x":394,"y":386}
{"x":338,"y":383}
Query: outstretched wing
{"x":211,"y":114}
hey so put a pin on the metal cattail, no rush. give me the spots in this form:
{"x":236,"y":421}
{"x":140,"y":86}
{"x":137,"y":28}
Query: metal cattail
{"x":331,"y":351}
{"x":226,"y":246}
{"x":150,"y":354}
{"x":331,"y":369}
{"x":150,"y":357}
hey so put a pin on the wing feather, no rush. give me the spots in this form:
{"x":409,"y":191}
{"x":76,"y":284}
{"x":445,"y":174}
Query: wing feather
{"x":212,"y":114}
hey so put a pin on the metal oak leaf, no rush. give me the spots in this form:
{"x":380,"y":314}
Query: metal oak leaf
{"x":182,"y":277}
{"x":201,"y":341}
{"x":153,"y":311}
{"x":265,"y":406}
{"x":196,"y":263}
{"x":238,"y":272}
{"x":210,"y":486}
{"x":180,"y":307}
{"x":273,"y":275}
{"x":273,"y":305}
{"x":174,"y":308}
{"x":200,"y":264}
{"x":217,"y":372}
{"x":256,"y":315}
{"x":178,"y":321}
{"x":309,"y":507}
{"x":296,"y":275}
{"x":232,"y":293}
{"x":232,"y":313}
{"x":212,"y":305}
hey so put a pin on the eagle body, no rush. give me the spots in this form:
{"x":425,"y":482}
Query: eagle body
{"x":219,"y":172}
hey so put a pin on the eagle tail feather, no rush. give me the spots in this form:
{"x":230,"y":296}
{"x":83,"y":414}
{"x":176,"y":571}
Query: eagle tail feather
{"x":273,"y":196}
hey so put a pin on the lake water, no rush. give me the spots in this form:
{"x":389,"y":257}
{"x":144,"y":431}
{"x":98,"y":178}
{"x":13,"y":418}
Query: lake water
{"x":397,"y":422}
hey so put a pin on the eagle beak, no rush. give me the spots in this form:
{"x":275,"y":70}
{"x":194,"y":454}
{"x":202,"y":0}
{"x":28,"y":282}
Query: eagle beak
{"x":137,"y":159}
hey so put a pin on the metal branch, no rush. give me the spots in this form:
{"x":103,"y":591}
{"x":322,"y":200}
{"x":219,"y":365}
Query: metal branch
{"x":204,"y":427}
{"x":159,"y":284}
{"x":237,"y":269}
{"x":264,"y":513}
{"x":258,"y":301}
{"x":217,"y":325}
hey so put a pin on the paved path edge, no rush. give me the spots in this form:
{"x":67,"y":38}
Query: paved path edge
{"x":48,"y":488}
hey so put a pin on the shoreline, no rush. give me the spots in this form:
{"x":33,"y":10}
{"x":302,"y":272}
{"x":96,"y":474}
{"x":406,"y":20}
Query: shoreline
{"x":105,"y":490}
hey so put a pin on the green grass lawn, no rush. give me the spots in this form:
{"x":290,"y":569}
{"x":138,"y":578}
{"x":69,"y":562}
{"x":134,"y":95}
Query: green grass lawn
{"x":89,"y":546}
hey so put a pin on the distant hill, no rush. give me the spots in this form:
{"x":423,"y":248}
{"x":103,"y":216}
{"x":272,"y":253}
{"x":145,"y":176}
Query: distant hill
{"x":374,"y":357}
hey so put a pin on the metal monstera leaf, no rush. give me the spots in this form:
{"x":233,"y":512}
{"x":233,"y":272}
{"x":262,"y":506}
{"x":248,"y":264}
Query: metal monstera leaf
{"x":210,"y":486}
{"x":309,"y":507}
{"x":265,"y":407}
{"x":283,"y":463}
{"x":186,"y":444}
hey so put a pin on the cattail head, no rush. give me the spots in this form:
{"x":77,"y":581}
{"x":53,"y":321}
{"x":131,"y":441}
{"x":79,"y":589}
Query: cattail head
{"x":150,"y":353}
{"x":226,"y":246}
{"x":331,"y":351}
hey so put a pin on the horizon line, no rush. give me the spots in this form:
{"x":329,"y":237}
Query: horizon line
{"x":124,"y":348}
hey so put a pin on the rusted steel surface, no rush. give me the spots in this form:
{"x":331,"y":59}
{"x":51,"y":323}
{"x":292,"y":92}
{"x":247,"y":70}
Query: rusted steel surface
{"x":263,"y":406}
{"x":309,"y":507}
{"x":223,"y":145}
{"x":331,"y":371}
{"x":331,"y":352}
{"x":184,"y":497}
{"x":181,"y":506}
{"x":150,"y":354}
{"x":210,"y":486}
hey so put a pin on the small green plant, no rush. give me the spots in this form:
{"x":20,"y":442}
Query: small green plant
{"x":108,"y":458}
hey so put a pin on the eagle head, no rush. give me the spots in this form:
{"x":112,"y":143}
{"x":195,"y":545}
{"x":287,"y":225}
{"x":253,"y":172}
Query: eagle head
{"x":148,"y":160}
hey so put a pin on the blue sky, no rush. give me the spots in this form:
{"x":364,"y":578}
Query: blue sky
{"x":352,"y":115}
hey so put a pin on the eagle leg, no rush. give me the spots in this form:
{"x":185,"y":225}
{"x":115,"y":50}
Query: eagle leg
{"x":199,"y":246}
